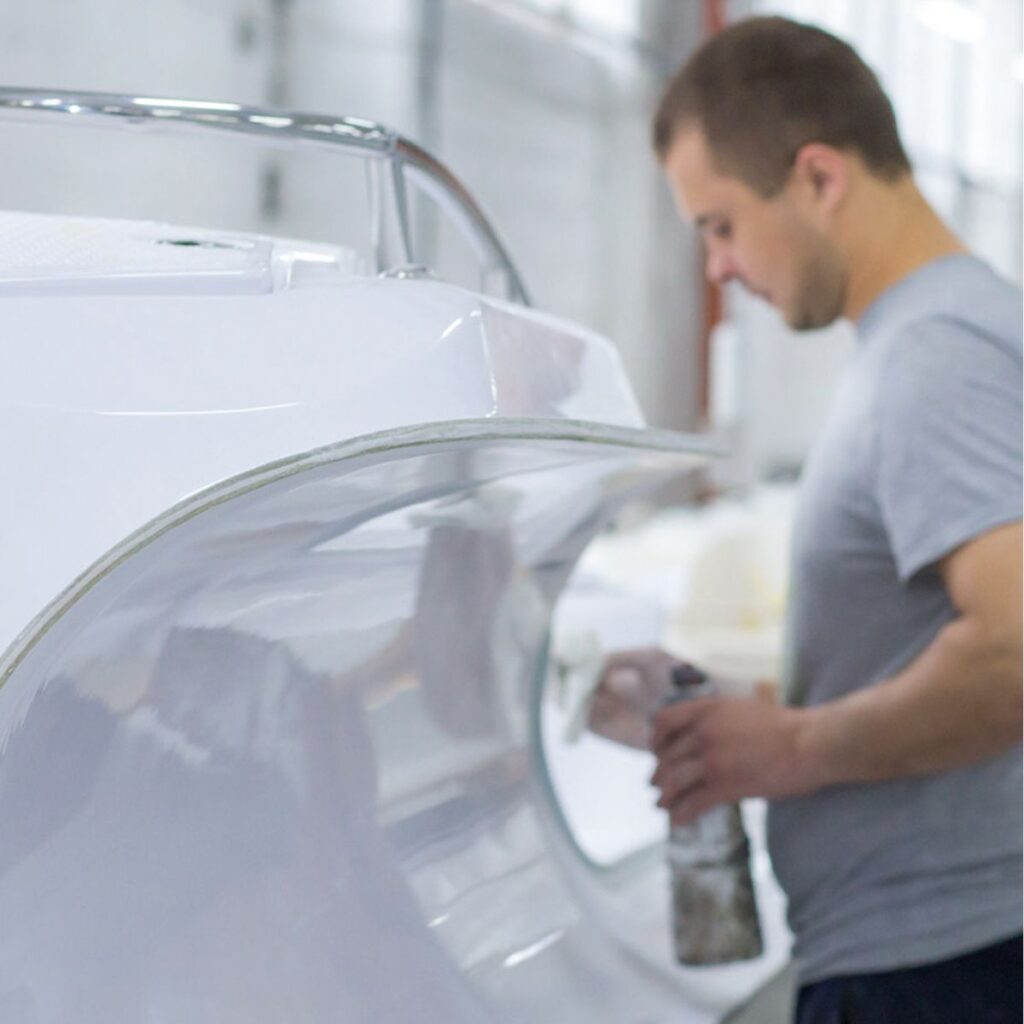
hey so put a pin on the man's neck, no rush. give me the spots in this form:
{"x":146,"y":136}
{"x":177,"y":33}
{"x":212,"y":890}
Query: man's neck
{"x":892,"y":232}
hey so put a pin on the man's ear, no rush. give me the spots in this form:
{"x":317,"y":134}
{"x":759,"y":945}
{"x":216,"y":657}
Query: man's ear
{"x":824,"y":174}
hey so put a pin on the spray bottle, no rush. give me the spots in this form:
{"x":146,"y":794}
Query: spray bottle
{"x":715,"y":918}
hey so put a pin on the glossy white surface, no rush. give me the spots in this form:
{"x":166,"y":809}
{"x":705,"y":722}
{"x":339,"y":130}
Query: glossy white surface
{"x":275,"y":755}
{"x":275,"y":759}
{"x":128,"y":387}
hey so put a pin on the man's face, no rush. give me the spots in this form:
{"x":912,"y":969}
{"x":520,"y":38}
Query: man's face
{"x":777,"y":248}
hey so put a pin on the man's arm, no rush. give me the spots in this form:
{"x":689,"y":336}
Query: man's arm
{"x":958,"y":702}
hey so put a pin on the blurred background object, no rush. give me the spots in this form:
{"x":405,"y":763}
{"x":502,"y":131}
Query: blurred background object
{"x":952,"y":69}
{"x":543,"y":108}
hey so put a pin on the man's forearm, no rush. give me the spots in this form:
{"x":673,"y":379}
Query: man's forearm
{"x":958,"y":702}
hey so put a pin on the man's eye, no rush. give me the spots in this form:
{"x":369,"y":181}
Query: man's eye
{"x":722,"y":229}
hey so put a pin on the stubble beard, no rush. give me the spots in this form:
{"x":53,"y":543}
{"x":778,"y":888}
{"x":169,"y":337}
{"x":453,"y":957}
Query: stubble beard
{"x":820,"y":295}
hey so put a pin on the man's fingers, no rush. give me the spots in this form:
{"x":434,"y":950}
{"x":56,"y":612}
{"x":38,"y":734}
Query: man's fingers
{"x":622,"y":680}
{"x":674,"y":720}
{"x":677,"y":779}
{"x":648,"y":666}
{"x":697,"y":801}
{"x":608,"y":707}
{"x":604,"y":704}
{"x":685,"y":747}
{"x":618,"y":720}
{"x":635,"y":657}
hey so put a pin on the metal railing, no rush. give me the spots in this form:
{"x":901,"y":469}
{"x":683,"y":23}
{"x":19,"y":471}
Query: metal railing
{"x":392,"y":161}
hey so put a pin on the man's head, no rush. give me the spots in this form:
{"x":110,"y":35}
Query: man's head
{"x":764,"y":134}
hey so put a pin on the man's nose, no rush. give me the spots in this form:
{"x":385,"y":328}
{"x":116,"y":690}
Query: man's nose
{"x":719,"y":267}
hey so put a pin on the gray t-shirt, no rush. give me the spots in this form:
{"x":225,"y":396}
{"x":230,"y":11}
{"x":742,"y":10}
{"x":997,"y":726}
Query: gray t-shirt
{"x":921,"y":453}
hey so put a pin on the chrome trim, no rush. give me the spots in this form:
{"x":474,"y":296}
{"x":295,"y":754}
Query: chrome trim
{"x":410,"y":272}
{"x":392,"y":160}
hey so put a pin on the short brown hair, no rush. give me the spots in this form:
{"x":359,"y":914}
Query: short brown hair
{"x":764,"y":87}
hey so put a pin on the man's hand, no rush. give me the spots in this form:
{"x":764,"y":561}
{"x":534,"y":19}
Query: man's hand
{"x":957,"y":703}
{"x":633,"y":685}
{"x":714,"y":750}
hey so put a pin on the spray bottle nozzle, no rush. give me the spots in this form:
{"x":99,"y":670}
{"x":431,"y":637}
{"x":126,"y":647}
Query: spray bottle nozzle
{"x":685,"y":676}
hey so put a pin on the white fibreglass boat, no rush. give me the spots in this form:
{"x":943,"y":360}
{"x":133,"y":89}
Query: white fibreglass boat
{"x":282,"y":536}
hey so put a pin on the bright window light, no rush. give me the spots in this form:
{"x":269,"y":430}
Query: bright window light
{"x":610,"y":17}
{"x":953,"y":19}
{"x":150,"y":101}
{"x":618,"y":17}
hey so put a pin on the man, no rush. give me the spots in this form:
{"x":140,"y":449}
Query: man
{"x":893,"y":769}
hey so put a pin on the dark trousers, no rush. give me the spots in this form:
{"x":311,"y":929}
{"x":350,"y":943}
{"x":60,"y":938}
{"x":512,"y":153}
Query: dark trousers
{"x":983,"y":987}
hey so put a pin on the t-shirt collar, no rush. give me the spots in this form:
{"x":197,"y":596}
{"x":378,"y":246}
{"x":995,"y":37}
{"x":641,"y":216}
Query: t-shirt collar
{"x":923,"y":283}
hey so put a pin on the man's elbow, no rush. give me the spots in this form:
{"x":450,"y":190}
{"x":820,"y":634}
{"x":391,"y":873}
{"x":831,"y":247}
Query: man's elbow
{"x":991,"y":655}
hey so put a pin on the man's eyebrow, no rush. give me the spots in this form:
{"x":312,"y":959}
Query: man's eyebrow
{"x":705,"y":219}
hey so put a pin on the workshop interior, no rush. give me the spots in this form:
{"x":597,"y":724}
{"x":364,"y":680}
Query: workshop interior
{"x":362,"y":391}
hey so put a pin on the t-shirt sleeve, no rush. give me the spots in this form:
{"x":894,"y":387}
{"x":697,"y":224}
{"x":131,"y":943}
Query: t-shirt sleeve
{"x":949,"y":440}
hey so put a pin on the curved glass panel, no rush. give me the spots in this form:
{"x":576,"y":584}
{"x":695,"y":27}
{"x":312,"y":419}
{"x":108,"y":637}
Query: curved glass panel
{"x":270,"y":760}
{"x":602,"y":787}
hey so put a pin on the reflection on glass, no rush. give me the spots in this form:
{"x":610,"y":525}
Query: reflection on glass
{"x":276,"y":764}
